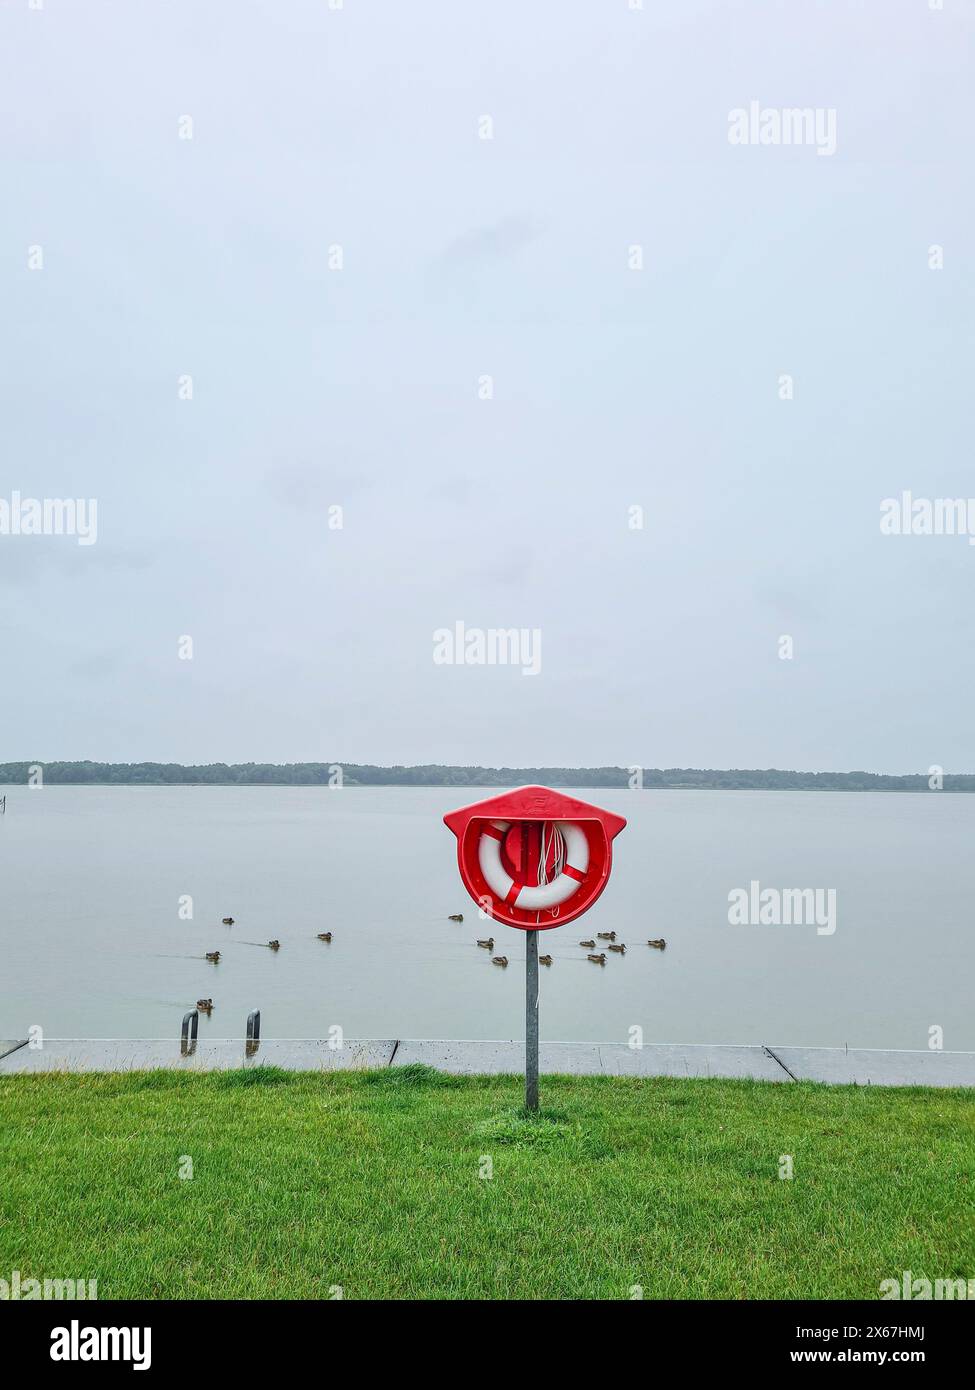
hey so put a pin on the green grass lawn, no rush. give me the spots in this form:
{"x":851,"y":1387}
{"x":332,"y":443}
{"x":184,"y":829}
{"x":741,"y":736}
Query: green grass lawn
{"x":372,"y":1181}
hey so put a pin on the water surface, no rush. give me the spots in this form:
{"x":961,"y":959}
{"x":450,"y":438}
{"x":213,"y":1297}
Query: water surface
{"x":92,"y":943}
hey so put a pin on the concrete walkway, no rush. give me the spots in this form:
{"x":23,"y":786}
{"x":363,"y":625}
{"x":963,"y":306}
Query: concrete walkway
{"x":838,"y":1066}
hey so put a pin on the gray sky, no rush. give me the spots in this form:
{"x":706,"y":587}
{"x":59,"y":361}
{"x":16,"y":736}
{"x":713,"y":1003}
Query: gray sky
{"x":466,"y":257}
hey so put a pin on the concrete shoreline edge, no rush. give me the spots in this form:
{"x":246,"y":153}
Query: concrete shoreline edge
{"x":470,"y":1057}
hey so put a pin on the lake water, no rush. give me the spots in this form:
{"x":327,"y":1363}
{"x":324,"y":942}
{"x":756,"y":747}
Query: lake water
{"x":92,"y":943}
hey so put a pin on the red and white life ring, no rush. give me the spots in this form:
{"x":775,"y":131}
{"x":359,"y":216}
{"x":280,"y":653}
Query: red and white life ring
{"x":531,"y":898}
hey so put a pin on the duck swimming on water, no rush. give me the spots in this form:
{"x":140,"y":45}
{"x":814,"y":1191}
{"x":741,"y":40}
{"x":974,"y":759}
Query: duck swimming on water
{"x":324,"y":936}
{"x":274,"y":945}
{"x":227,"y":921}
{"x":499,"y":960}
{"x":598,"y":960}
{"x":488,"y":945}
{"x":205,"y":1006}
{"x":214,"y":956}
{"x":545,"y":960}
{"x":455,"y":917}
{"x":659,"y":944}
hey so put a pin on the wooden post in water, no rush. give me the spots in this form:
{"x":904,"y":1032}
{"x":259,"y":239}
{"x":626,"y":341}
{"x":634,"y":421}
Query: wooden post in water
{"x":531,"y":1020}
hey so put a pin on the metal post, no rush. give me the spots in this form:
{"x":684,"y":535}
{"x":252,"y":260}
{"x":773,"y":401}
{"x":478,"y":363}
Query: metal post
{"x":188,"y":1033}
{"x":253,"y":1032}
{"x":531,"y":1020}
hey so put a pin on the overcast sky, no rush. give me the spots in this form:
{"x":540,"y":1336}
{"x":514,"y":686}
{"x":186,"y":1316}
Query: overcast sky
{"x":466,"y":258}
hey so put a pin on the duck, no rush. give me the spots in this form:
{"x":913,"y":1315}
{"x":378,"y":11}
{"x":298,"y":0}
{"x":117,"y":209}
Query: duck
{"x":659,"y":944}
{"x":455,"y":917}
{"x":597,"y":960}
{"x":205,"y":1005}
{"x":499,"y":960}
{"x":606,"y":935}
{"x":274,"y":945}
{"x":488,"y":945}
{"x":227,"y":921}
{"x":590,"y":944}
{"x":545,"y":960}
{"x":324,"y":936}
{"x":214,"y":956}
{"x":620,"y":949}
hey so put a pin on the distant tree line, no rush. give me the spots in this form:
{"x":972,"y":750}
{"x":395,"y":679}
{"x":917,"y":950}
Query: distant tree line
{"x":436,"y":775}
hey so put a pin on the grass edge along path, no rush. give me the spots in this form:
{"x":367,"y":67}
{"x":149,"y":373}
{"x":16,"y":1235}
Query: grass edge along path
{"x":409,"y":1183}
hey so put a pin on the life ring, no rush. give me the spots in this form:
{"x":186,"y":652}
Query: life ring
{"x":529,"y":898}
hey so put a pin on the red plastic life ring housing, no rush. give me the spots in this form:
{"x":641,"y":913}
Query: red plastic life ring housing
{"x":533,"y":857}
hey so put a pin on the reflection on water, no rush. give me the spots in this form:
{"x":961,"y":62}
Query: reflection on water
{"x":92,"y":942}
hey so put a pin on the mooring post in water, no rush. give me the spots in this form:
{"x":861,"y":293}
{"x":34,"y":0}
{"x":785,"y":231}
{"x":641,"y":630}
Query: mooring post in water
{"x":253,"y":1031}
{"x":531,"y":1020}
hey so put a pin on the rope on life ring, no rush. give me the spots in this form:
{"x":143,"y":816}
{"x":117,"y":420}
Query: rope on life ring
{"x":523,"y":895}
